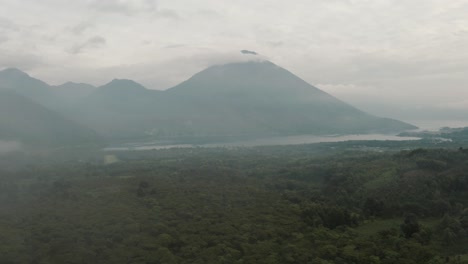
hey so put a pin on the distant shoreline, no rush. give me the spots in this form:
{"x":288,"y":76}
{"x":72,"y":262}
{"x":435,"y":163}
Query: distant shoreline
{"x":266,"y":141}
{"x":437,"y":124}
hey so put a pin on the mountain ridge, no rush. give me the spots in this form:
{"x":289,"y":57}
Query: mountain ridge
{"x":235,"y":99}
{"x":277,"y":99}
{"x":23,"y":120}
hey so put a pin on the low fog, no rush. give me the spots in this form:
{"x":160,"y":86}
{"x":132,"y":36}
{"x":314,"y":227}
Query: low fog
{"x":243,"y":132}
{"x":9,"y":146}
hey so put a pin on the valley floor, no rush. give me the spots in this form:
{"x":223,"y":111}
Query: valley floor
{"x":286,"y":204}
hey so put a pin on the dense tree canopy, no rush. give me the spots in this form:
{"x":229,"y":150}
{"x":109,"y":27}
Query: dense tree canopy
{"x":241,"y":205}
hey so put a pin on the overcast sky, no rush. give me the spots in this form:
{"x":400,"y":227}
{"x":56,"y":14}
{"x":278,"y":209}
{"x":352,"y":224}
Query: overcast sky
{"x":380,"y":55}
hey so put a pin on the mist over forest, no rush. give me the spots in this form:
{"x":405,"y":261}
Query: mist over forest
{"x":169,"y":132}
{"x":241,"y":163}
{"x":8,"y":146}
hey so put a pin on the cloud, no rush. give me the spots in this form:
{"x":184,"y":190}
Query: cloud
{"x":361,"y":96}
{"x":456,"y":105}
{"x":395,"y":52}
{"x":275,"y":43}
{"x":24,"y":61}
{"x":94,"y":42}
{"x":248,"y":52}
{"x":3,"y":38}
{"x":7,"y":24}
{"x":133,"y":8}
{"x":82,"y":27}
{"x":175,"y":46}
{"x":9,"y":146}
{"x":208,"y":13}
{"x":349,"y":89}
{"x":127,"y":7}
{"x":168,"y":13}
{"x":158,"y":74}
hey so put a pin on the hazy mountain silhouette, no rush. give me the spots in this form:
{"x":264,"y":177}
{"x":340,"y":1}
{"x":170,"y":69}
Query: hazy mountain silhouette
{"x":72,"y":92}
{"x":256,"y":98}
{"x":22,"y":83}
{"x":122,"y":89}
{"x":248,"y":98}
{"x":24,"y":120}
{"x":119,"y":109}
{"x":259,"y":97}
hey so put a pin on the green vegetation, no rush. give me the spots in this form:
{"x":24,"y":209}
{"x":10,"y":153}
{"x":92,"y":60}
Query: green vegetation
{"x":294,"y":204}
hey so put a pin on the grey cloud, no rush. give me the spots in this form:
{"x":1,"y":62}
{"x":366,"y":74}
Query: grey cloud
{"x":457,"y":105}
{"x":175,"y":46}
{"x":209,"y":13}
{"x":168,"y":13}
{"x":82,"y":27}
{"x":94,"y":42}
{"x":133,"y":7}
{"x":275,"y":43}
{"x":248,"y":52}
{"x":3,"y":37}
{"x":9,"y":146}
{"x":127,"y":7}
{"x":23,"y":61}
{"x":383,"y":68}
{"x":164,"y":74}
{"x":379,"y":68}
{"x":381,"y":51}
{"x":7,"y":24}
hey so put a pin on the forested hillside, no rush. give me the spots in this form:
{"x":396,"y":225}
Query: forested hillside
{"x":243,"y":205}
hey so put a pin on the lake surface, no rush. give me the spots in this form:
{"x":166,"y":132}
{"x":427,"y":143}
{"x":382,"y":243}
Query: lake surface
{"x":268,"y":141}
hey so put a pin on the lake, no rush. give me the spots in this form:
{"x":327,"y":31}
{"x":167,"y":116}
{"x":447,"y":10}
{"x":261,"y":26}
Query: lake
{"x":267,"y":141}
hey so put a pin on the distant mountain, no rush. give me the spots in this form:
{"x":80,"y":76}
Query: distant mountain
{"x":119,"y":109}
{"x":53,"y":97}
{"x":26,"y":121}
{"x":238,"y":99}
{"x":22,"y":83}
{"x":256,"y":98}
{"x":262,"y":98}
{"x":72,"y":92}
{"x":122,"y":89}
